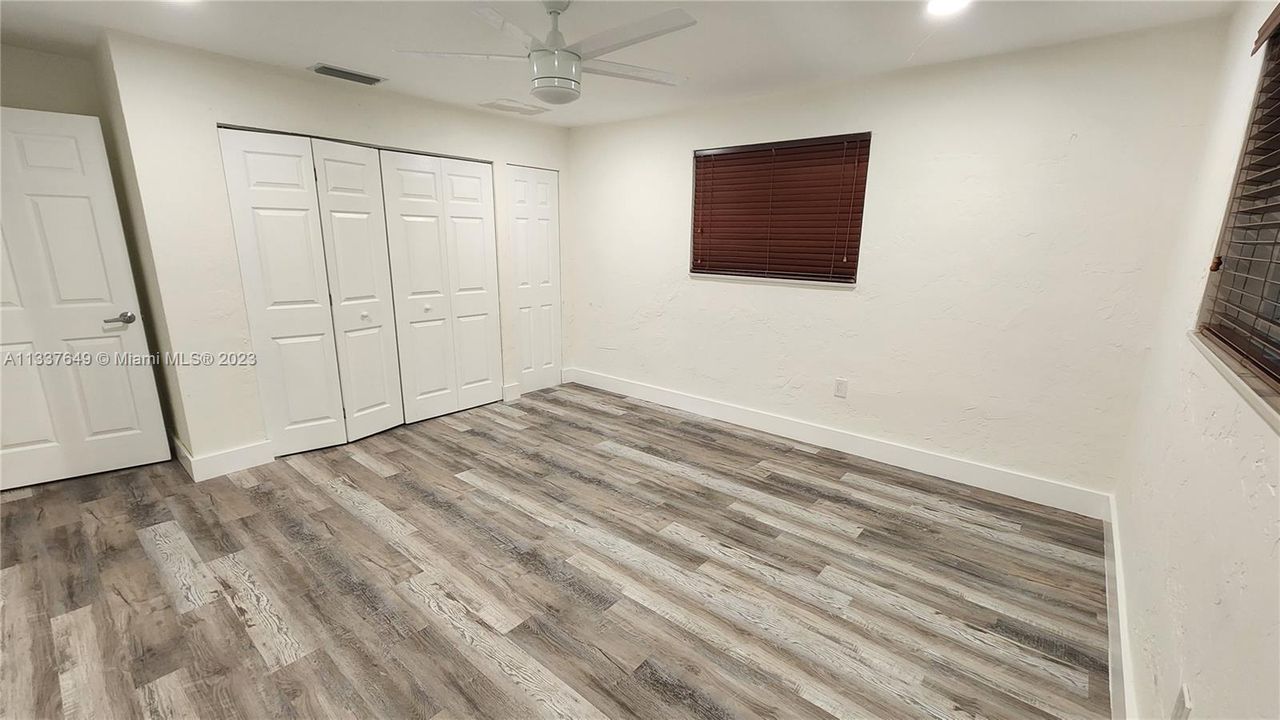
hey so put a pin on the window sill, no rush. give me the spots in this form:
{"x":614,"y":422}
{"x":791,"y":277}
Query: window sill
{"x":1256,"y":393}
{"x":749,"y":280}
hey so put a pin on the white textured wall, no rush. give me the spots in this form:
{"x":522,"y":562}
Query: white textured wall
{"x":1019,"y":210}
{"x":169,"y":101}
{"x":37,"y":80}
{"x":1199,"y":517}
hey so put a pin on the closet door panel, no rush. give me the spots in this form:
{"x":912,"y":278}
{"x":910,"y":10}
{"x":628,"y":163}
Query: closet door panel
{"x":473,"y":280}
{"x":431,"y":351}
{"x":424,"y":240}
{"x":416,"y":237}
{"x":431,"y":346}
{"x":472,"y":333}
{"x":276,"y":217}
{"x":355,"y":239}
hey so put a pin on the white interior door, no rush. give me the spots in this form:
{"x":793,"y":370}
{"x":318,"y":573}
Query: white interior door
{"x":535,"y":239}
{"x":66,"y":290}
{"x":471,"y":245}
{"x":440,"y":233}
{"x":276,"y":214}
{"x":355,"y":239}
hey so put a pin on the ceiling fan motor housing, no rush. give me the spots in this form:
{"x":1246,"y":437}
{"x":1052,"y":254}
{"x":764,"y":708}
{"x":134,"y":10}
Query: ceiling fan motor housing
{"x":557,"y":75}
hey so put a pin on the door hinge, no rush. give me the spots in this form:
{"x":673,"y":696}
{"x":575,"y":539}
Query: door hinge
{"x":1216,"y":265}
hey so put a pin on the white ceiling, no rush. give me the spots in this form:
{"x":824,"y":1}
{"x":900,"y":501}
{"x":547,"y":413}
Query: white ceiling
{"x":737,"y":49}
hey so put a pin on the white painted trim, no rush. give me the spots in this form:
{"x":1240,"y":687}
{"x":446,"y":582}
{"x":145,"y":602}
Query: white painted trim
{"x":223,"y":462}
{"x":1124,"y":703}
{"x":784,"y":282}
{"x":511,"y":392}
{"x":1053,"y":493}
{"x":1247,"y":392}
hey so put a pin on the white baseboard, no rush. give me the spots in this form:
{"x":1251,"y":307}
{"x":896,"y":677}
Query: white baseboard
{"x":223,"y":462}
{"x":511,"y":392}
{"x":1124,"y":703}
{"x":1053,"y":493}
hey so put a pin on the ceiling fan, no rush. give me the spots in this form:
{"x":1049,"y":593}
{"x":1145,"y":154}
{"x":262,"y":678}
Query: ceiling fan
{"x":557,"y":67}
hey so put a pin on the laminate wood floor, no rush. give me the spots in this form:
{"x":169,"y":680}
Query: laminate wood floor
{"x":575,"y":554}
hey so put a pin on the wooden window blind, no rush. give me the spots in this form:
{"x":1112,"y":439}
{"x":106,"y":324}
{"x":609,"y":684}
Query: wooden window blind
{"x":1242,"y":301}
{"x":781,"y":210}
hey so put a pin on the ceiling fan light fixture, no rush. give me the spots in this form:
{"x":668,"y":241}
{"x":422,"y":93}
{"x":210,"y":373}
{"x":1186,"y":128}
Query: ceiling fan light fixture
{"x":557,"y":76}
{"x":555,"y":91}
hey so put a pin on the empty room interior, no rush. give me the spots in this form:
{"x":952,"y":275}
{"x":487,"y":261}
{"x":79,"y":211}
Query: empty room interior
{"x":552,"y":359}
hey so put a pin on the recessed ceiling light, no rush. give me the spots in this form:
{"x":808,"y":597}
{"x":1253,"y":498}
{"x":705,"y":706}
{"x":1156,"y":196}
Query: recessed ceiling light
{"x":942,"y":8}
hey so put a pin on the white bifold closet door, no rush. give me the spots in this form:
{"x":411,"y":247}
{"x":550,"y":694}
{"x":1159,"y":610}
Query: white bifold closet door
{"x":440,"y":231}
{"x":276,"y":215}
{"x":355,"y":242}
{"x":535,"y":240}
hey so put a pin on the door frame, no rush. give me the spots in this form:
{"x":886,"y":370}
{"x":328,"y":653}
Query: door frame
{"x":359,"y":143}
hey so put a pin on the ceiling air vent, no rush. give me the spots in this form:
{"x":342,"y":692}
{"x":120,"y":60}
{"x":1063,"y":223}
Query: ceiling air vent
{"x":344,"y":74}
{"x":513,"y":106}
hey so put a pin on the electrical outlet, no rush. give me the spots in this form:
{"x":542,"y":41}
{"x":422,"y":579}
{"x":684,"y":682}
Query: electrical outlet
{"x":842,"y":387}
{"x":1182,"y":706}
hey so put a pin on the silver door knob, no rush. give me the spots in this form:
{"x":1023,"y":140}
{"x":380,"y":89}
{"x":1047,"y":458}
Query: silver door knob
{"x":125,"y":317}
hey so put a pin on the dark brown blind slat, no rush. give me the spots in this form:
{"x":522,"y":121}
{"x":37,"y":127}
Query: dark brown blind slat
{"x":1264,"y":208}
{"x":1242,"y":302}
{"x":1259,"y":193}
{"x":789,"y":210}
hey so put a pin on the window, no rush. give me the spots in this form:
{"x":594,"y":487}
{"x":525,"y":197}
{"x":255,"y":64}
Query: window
{"x":781,"y":210}
{"x":1242,"y":302}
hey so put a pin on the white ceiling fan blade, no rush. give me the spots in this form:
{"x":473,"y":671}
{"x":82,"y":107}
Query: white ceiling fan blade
{"x":630,"y":72}
{"x":632,"y":33}
{"x":500,"y":23}
{"x":465,"y":56}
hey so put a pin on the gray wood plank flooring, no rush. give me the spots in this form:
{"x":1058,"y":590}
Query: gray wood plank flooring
{"x":575,"y":554}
